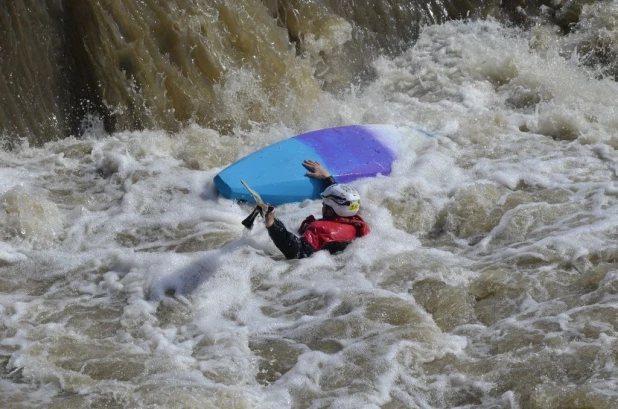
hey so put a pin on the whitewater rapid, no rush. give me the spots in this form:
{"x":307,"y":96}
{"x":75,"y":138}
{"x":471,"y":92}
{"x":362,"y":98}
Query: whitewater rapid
{"x":489,"y":280}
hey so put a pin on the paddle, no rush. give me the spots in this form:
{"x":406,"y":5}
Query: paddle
{"x":248,"y":222}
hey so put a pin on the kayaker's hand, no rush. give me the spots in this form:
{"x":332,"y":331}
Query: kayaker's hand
{"x":316,"y":170}
{"x":269,"y":217}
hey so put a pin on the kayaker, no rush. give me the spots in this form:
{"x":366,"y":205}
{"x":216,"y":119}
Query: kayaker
{"x":339,"y":226}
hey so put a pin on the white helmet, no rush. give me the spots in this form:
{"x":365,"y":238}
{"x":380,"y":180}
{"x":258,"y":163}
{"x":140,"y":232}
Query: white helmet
{"x":344,"y":199}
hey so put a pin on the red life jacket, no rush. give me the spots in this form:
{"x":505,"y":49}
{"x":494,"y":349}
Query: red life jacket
{"x":321,"y":232}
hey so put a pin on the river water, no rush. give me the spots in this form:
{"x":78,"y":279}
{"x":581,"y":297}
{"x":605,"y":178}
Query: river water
{"x":489,"y":280}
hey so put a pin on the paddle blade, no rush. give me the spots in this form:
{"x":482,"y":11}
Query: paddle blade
{"x":256,"y":197}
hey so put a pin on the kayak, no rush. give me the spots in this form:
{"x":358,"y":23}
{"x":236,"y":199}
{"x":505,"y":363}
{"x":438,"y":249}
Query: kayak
{"x":348,"y":152}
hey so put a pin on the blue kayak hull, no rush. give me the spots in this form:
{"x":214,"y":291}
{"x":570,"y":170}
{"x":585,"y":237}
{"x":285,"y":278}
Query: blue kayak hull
{"x":348,"y":152}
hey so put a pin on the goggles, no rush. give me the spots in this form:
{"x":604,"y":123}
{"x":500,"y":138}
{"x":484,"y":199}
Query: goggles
{"x":338,"y":199}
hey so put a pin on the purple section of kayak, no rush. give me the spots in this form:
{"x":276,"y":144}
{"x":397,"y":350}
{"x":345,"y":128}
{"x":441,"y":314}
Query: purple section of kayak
{"x":350,"y":152}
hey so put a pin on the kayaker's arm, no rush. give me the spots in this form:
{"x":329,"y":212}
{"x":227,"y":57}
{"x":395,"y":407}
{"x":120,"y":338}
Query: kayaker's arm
{"x":289,"y":244}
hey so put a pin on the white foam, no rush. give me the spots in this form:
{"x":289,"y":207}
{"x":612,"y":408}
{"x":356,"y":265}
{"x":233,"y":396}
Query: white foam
{"x":9,"y":254}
